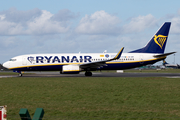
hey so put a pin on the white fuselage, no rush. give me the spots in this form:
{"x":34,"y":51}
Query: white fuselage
{"x":56,"y":61}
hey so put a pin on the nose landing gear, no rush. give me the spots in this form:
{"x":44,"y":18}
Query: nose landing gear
{"x":20,"y":73}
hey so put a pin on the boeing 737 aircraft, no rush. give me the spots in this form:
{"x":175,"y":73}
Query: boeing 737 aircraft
{"x":75,"y":63}
{"x":167,"y":65}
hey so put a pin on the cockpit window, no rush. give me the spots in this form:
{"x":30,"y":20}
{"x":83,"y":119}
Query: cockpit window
{"x":12,"y":60}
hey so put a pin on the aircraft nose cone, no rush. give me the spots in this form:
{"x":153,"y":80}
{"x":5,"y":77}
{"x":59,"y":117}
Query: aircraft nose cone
{"x":6,"y":65}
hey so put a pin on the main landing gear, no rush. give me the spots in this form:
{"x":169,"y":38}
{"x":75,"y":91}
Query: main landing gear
{"x":88,"y":73}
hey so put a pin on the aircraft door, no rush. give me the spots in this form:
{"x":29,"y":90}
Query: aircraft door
{"x":24,"y":60}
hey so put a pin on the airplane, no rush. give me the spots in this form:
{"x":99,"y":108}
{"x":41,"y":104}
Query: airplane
{"x":87,"y":62}
{"x":167,"y":65}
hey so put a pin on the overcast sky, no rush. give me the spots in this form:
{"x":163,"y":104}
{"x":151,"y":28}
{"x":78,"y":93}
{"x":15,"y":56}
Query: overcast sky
{"x":87,"y":26}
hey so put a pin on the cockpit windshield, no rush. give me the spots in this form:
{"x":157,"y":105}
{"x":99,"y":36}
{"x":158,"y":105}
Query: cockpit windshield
{"x":12,"y":60}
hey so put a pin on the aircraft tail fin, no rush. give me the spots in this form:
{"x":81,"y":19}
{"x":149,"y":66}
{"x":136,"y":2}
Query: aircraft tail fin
{"x":158,"y":42}
{"x":164,"y":62}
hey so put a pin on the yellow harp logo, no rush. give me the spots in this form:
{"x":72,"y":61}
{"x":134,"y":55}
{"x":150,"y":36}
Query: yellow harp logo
{"x":159,"y":40}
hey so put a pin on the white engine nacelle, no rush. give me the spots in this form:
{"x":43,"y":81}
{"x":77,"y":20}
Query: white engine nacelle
{"x":70,"y":69}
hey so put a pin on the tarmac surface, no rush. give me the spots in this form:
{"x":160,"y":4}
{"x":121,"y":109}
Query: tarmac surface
{"x":97,"y":74}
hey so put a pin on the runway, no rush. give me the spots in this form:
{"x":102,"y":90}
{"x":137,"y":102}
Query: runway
{"x":97,"y":74}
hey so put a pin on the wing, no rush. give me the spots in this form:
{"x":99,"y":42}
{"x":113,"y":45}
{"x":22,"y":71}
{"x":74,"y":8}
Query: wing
{"x":98,"y":64}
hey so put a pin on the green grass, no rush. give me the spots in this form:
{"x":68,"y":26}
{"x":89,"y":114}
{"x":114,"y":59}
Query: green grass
{"x":150,"y":98}
{"x":12,"y":73}
{"x":8,"y":73}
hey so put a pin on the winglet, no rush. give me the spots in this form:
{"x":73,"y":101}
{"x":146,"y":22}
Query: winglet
{"x":118,"y":54}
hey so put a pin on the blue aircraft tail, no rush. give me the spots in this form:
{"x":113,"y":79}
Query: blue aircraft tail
{"x":164,"y":62}
{"x":158,"y":43}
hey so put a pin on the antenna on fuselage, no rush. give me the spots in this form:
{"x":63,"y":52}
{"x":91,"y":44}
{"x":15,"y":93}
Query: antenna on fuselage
{"x":105,"y":51}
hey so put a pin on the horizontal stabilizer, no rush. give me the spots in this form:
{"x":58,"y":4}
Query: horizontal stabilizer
{"x":164,"y":55}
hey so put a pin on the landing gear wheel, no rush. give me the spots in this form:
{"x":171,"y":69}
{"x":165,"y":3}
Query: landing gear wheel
{"x":88,"y":73}
{"x":20,"y":75}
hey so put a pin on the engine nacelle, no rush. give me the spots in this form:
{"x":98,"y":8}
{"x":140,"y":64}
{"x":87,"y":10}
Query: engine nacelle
{"x":70,"y":69}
